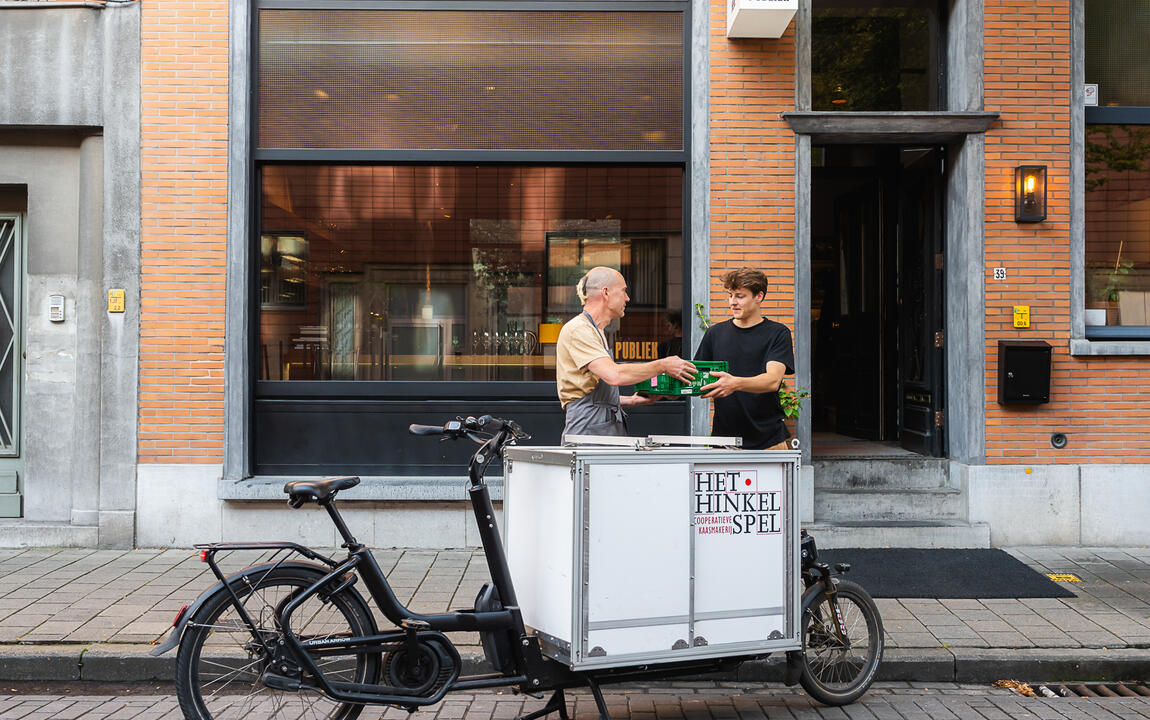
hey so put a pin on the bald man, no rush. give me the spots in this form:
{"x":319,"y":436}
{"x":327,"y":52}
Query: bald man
{"x":587,"y":376}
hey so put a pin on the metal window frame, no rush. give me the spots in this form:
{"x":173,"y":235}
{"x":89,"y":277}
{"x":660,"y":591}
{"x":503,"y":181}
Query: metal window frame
{"x":939,"y":20}
{"x":1102,"y":340}
{"x":15,"y":316}
{"x":244,"y":202}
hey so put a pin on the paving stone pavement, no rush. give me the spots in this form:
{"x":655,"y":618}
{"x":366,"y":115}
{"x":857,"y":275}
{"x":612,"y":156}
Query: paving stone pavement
{"x":73,"y":608}
{"x":653,"y":701}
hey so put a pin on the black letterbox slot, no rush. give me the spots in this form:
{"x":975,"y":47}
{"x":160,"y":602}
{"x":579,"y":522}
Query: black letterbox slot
{"x":1023,"y":372}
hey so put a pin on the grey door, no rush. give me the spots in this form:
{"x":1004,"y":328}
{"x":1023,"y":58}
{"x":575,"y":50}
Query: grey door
{"x":11,"y":363}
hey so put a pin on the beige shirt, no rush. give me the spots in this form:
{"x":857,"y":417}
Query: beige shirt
{"x":579,"y":343}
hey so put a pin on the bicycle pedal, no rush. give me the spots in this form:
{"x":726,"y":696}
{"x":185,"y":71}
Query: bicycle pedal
{"x":280,"y":682}
{"x":842,"y":567}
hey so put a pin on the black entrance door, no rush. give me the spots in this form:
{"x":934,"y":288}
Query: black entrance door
{"x":876,"y":299}
{"x":920,"y":298}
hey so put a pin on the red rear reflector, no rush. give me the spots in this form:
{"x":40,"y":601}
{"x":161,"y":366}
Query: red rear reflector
{"x":203,"y":556}
{"x":179,"y":615}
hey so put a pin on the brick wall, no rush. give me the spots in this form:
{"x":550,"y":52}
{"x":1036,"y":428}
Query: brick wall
{"x":184,"y":200}
{"x":752,"y":164}
{"x":1103,"y":403}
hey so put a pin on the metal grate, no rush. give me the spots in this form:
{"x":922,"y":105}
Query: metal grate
{"x":1086,"y":689}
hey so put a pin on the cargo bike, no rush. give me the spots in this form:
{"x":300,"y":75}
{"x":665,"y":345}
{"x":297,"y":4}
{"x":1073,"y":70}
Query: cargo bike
{"x":629,"y":563}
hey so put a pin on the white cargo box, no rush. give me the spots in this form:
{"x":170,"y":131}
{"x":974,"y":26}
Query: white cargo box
{"x":626,"y":556}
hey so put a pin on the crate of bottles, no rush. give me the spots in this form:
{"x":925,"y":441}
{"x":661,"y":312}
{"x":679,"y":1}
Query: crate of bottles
{"x":664,"y":384}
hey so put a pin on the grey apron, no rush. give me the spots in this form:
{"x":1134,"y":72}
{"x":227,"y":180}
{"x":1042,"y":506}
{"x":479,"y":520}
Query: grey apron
{"x":599,"y":412}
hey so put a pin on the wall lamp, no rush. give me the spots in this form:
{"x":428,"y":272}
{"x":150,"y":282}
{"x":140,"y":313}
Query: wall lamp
{"x":1029,"y":193}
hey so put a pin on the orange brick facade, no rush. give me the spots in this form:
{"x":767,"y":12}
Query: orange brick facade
{"x":752,"y":163}
{"x":184,"y":98}
{"x":1103,"y":403}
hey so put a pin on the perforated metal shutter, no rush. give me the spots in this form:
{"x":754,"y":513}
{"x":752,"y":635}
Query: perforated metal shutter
{"x":470,"y":80}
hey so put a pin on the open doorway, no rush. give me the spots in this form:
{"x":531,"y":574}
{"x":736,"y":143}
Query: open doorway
{"x":877,"y":300}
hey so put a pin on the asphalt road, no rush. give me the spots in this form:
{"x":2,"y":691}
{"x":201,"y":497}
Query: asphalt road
{"x":654,"y":701}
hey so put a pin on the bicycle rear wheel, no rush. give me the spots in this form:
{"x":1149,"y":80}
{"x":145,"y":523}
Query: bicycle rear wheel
{"x":220,"y":663}
{"x":837,"y":672}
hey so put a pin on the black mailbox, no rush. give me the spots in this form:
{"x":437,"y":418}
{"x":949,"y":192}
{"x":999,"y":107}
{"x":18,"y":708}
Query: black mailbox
{"x":1023,"y":372}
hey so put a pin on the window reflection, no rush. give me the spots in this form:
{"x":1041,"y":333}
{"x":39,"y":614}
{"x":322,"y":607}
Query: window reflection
{"x":1118,"y":225}
{"x":868,"y":56}
{"x":457,"y":273}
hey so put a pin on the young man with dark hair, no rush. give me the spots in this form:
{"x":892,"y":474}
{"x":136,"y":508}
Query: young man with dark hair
{"x":759,"y":353}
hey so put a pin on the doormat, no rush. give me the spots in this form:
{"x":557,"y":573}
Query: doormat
{"x":954,"y":574}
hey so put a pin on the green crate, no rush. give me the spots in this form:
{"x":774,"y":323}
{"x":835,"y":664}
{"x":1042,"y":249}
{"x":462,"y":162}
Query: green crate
{"x":663,"y":384}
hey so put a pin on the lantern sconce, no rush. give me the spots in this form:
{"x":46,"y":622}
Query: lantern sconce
{"x":1029,"y":193}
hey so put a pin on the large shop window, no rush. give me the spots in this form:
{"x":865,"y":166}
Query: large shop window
{"x":870,"y":56}
{"x":458,"y":272}
{"x":431,"y":182}
{"x":1118,"y":170}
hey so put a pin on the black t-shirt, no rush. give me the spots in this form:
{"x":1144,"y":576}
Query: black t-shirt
{"x":757,"y":418}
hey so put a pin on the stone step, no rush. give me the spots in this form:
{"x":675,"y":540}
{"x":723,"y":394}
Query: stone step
{"x":877,"y":473}
{"x":909,"y":534}
{"x":23,"y":533}
{"x":901,"y":504}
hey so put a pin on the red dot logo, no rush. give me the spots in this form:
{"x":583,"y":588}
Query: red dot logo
{"x":747,"y":482}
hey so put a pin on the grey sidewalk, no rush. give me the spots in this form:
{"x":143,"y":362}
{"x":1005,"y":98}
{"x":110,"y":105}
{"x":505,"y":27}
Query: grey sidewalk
{"x":95,"y":615}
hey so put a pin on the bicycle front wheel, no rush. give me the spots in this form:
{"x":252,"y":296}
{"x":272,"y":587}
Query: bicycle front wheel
{"x":220,"y":665}
{"x":838,"y":670}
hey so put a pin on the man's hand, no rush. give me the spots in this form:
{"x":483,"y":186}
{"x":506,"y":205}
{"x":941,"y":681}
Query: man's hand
{"x":724,"y":386}
{"x":679,"y":368}
{"x":637,"y":400}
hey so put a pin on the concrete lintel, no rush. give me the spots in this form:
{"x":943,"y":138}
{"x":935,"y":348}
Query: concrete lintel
{"x":889,"y":127}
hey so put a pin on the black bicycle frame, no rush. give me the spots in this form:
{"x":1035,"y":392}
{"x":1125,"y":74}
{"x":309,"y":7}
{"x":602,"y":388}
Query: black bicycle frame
{"x":532,"y":669}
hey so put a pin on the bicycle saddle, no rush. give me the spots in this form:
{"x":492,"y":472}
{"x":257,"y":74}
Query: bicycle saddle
{"x":301,"y":491}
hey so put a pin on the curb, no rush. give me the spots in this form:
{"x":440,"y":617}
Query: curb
{"x":106,"y":662}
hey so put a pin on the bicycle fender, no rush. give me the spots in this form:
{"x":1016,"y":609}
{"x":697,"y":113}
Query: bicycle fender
{"x":177,"y":633}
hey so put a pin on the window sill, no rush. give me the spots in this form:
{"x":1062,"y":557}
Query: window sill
{"x":1103,"y":346}
{"x":370,"y":489}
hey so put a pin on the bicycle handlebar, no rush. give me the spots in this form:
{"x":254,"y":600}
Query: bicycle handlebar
{"x":479,"y":429}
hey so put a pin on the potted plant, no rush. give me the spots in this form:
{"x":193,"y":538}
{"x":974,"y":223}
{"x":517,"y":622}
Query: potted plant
{"x":1105,"y":285}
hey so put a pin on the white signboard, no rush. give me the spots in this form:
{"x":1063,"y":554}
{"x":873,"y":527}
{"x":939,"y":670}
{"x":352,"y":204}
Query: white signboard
{"x":739,"y":512}
{"x":1091,"y":93}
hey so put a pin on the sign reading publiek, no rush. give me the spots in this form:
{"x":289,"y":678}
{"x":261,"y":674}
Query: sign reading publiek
{"x":634,"y":350}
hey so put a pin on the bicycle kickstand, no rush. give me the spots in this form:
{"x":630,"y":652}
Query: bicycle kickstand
{"x":600,"y":703}
{"x":557,"y":702}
